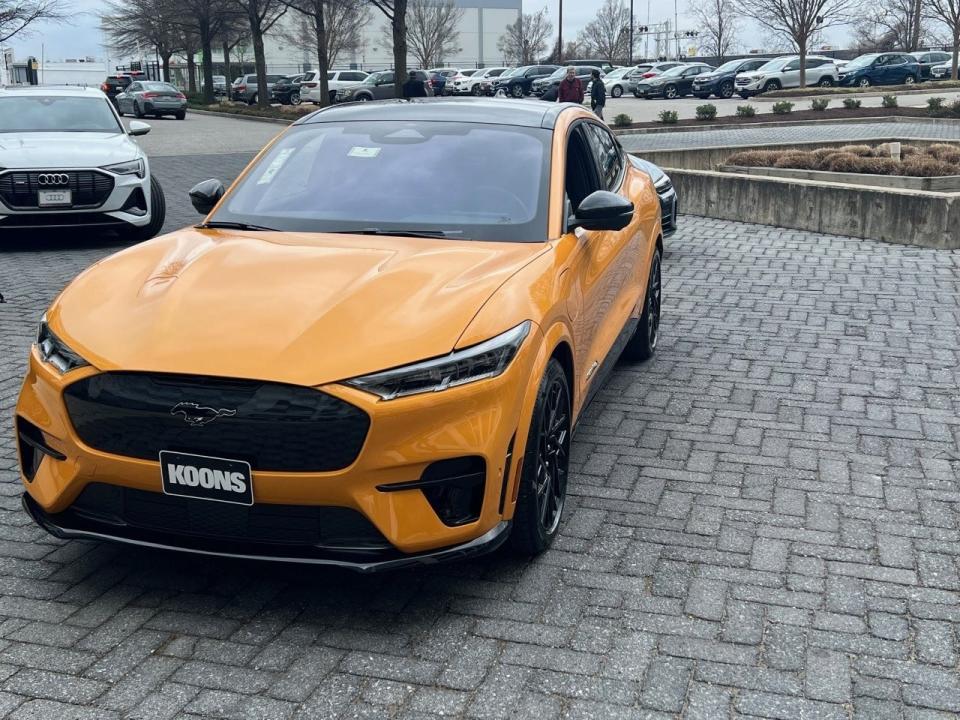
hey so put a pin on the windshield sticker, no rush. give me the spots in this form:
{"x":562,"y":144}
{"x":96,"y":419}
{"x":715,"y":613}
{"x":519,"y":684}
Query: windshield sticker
{"x":275,"y":166}
{"x":364,"y":152}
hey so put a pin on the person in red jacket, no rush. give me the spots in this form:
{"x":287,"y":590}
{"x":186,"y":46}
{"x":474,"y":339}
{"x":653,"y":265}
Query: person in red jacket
{"x":571,"y":88}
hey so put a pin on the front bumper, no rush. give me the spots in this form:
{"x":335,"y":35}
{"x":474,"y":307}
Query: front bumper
{"x":648,"y":91}
{"x":706,"y":88}
{"x":385,"y":483}
{"x":748,"y":88}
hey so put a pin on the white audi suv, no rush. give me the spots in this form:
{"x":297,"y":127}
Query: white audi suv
{"x":66,"y":161}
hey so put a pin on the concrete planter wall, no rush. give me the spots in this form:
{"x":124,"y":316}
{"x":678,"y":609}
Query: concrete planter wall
{"x":949,"y":183}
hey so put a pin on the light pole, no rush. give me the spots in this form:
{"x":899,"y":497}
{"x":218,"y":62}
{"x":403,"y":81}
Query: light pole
{"x":676,"y":27}
{"x":559,"y":34}
{"x":630,"y":50}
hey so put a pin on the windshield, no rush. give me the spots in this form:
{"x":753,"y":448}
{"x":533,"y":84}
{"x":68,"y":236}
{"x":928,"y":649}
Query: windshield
{"x":158,"y":86}
{"x":372,"y":78}
{"x":674,"y":71}
{"x":729,"y":66}
{"x":619,"y":72}
{"x":862,"y":61}
{"x":57,"y":114}
{"x":514,"y":71}
{"x":774,"y":64}
{"x":470,"y":181}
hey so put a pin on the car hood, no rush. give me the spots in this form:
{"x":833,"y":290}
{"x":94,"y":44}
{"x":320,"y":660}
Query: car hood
{"x":65,"y":150}
{"x":300,"y":308}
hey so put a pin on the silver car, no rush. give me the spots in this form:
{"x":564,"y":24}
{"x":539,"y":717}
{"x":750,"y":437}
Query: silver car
{"x":147,"y":97}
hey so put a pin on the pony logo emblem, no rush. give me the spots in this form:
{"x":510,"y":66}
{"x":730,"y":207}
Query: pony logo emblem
{"x":196,"y":415}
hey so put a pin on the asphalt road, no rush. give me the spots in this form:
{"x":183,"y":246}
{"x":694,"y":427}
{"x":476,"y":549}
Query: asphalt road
{"x":764,"y":522}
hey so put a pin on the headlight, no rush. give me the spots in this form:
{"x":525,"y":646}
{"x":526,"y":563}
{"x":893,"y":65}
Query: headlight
{"x":132,"y":167}
{"x":53,"y":350}
{"x":485,"y":360}
{"x":662,"y":183}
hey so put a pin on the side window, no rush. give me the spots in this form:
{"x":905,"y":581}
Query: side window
{"x":607,"y":153}
{"x":580,"y":174}
{"x":792,"y":65}
{"x":353,"y":76}
{"x":133,"y":87}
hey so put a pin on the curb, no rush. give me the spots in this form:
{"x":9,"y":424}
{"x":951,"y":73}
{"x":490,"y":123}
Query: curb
{"x":785,"y":123}
{"x":772,"y":97}
{"x":237,"y":116}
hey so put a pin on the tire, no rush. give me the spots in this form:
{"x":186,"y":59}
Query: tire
{"x":909,"y":80}
{"x":726,"y":89}
{"x":745,"y":96}
{"x":181,"y":115}
{"x":864,"y":82}
{"x":670,"y":92}
{"x":517,"y":91}
{"x":543,"y":479}
{"x":616,"y":91}
{"x":772,"y":85}
{"x":137,"y":112}
{"x":826,"y":82}
{"x":253,"y":99}
{"x":702,"y":96}
{"x":158,"y":213}
{"x":363,"y":97}
{"x":643,"y":344}
{"x":295,"y":98}
{"x":636,"y":94}
{"x":476,"y":91}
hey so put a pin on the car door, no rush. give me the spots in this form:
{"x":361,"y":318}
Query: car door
{"x":790,"y":74}
{"x":131,"y":95}
{"x":384,"y":88}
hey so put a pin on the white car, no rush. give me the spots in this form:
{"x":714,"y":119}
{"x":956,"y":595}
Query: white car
{"x":459,"y":84}
{"x":67,"y":161}
{"x":784,"y":72}
{"x":336,"y":80}
{"x":482,"y":80}
{"x":622,"y":79}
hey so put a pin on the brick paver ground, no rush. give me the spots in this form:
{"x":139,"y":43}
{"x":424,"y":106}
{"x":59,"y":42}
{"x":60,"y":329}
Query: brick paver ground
{"x":763,"y":522}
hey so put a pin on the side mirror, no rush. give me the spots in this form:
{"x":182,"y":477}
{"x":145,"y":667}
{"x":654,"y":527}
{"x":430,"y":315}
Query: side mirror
{"x":602,"y":210}
{"x":206,"y":195}
{"x":138,"y":128}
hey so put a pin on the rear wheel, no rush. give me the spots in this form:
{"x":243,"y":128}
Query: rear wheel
{"x":616,"y":91}
{"x":543,"y":479}
{"x":158,"y":213}
{"x":252,"y":100}
{"x":477,"y":90}
{"x":644,"y":341}
{"x":137,"y":112}
{"x":181,"y":115}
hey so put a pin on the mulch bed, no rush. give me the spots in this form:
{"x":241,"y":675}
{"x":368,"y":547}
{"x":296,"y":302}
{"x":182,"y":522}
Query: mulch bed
{"x":838,"y":113}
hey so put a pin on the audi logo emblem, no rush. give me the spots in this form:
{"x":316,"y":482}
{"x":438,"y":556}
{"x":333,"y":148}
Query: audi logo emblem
{"x":50,"y":179}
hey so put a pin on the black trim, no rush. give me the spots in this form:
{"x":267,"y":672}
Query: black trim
{"x":507,"y":466}
{"x":42,"y":447}
{"x":418,"y":484}
{"x":609,"y":362}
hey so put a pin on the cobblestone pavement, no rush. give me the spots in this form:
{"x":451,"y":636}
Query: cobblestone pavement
{"x":763,"y":523}
{"x":746,"y":135}
{"x":201,"y":134}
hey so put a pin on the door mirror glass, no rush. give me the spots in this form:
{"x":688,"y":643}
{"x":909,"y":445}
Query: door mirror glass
{"x":205,"y":195}
{"x":138,"y":128}
{"x":602,"y":210}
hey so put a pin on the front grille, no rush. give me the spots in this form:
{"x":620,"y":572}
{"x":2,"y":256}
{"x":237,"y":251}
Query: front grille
{"x":112,"y":506}
{"x":90,"y":188}
{"x":272,"y":426}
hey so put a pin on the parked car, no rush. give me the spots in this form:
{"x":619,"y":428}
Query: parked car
{"x":459,"y":84}
{"x":929,"y":59}
{"x":67,"y":162}
{"x":880,"y":69}
{"x":547,"y":88}
{"x":376,"y":86}
{"x":113,"y":85}
{"x":647,"y":71}
{"x":146,"y":97}
{"x":604,"y":65}
{"x":784,"y":72}
{"x":941,"y":72}
{"x":720,"y":81}
{"x":439,"y":77}
{"x":336,"y":80}
{"x":165,"y":406}
{"x":617,"y":81}
{"x":665,"y":192}
{"x":519,"y":82}
{"x":286,"y":91}
{"x":245,"y":88}
{"x":673,"y":83}
{"x":219,"y":85}
{"x":481,"y":82}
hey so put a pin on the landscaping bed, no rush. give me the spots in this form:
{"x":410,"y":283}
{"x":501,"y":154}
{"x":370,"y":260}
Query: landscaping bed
{"x":937,"y":160}
{"x":274,"y":112}
{"x":933,"y":86}
{"x":838,"y":113}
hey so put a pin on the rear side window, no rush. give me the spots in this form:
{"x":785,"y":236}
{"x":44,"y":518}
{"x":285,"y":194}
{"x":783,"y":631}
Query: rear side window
{"x":609,"y":159}
{"x":353,"y":76}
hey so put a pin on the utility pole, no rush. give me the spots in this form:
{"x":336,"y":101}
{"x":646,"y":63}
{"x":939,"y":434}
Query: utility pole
{"x":630,"y":51}
{"x":559,"y":35}
{"x":676,"y":27}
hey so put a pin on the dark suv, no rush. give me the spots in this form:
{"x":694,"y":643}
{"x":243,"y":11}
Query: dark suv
{"x":113,"y":85}
{"x":520,"y":81}
{"x":548,"y":87}
{"x":720,"y":81}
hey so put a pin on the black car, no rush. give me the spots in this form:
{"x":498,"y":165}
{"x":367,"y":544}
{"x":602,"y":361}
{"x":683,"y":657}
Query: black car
{"x":675,"y":82}
{"x":720,"y":81}
{"x":548,"y":87}
{"x":927,"y":59}
{"x":286,"y":91}
{"x":113,"y":85}
{"x":519,"y":81}
{"x":665,"y":191}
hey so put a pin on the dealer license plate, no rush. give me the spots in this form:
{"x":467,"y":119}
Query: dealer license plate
{"x":54,"y":198}
{"x":206,"y":478}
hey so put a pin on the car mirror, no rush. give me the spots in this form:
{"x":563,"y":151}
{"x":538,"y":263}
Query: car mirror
{"x":602,"y":210}
{"x":206,"y":195}
{"x":138,"y":128}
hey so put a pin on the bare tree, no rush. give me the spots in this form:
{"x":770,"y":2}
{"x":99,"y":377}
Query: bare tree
{"x":799,"y":21}
{"x":891,"y":25}
{"x":947,"y":12}
{"x":608,"y":35}
{"x":16,"y":16}
{"x":526,"y":39}
{"x":719,"y":21}
{"x":130,"y":26}
{"x":431,"y":30}
{"x":233,"y":32}
{"x":261,"y":16}
{"x":206,"y":19}
{"x":396,"y":13}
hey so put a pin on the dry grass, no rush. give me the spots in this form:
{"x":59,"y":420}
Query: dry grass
{"x":933,"y":161}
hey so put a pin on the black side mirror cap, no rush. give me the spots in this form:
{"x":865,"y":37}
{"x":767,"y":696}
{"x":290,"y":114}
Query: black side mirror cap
{"x":205,"y":195}
{"x":603,"y":210}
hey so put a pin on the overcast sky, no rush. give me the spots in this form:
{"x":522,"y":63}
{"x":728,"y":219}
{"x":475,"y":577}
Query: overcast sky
{"x":82,"y":36}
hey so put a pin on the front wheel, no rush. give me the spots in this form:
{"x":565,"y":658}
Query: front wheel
{"x":864,"y":82}
{"x":726,"y":89}
{"x":543,"y":479}
{"x":517,"y":91}
{"x":477,"y":91}
{"x":771,"y":86}
{"x":158,"y":213}
{"x":643,"y":344}
{"x":295,"y":98}
{"x":909,"y":80}
{"x":670,"y":92}
{"x":826,"y":82}
{"x":616,"y":91}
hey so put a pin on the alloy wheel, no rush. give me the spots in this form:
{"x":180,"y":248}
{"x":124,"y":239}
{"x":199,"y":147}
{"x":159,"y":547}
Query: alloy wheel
{"x":909,"y":80}
{"x":726,"y":89}
{"x":864,"y":82}
{"x":653,"y":303}
{"x":670,"y":92}
{"x":295,"y":98}
{"x":617,"y":91}
{"x":553,"y":451}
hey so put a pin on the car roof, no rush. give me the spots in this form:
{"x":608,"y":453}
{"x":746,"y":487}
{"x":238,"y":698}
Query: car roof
{"x":500,"y":111}
{"x":50,"y":91}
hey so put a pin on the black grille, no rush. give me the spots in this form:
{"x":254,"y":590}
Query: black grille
{"x":90,"y":188}
{"x":305,"y":525}
{"x":60,"y":219}
{"x":270,"y":425}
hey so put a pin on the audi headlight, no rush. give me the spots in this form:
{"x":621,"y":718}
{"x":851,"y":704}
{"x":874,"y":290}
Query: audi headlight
{"x":132,"y":167}
{"x":54,"y":351}
{"x":485,"y":360}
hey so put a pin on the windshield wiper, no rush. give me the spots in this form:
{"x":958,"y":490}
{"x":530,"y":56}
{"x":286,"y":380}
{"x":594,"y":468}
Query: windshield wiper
{"x":224,"y":225}
{"x":399,"y":233}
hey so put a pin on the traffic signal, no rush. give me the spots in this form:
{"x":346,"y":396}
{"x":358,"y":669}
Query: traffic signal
{"x":691,"y":33}
{"x":643,"y":29}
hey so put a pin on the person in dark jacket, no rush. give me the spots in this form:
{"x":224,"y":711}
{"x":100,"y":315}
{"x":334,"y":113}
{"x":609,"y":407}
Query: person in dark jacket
{"x":571,"y":88}
{"x":598,"y":94}
{"x":413,"y":87}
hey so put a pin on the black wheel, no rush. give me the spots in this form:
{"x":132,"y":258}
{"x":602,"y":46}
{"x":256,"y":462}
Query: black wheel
{"x":294,"y":98}
{"x":909,"y":80}
{"x":517,"y":91}
{"x":181,"y":115}
{"x":670,"y":92}
{"x":363,"y":98}
{"x":826,"y":82}
{"x":616,"y":91}
{"x":644,"y":341}
{"x":772,"y":85}
{"x":252,"y":100}
{"x":137,"y":112}
{"x":158,"y":213}
{"x":477,"y":91}
{"x":726,"y":89}
{"x":864,"y":82}
{"x":744,"y":95}
{"x":543,"y":480}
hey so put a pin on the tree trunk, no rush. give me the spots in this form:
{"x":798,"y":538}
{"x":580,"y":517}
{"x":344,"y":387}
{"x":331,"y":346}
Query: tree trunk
{"x":399,"y":46}
{"x":165,"y":59}
{"x":956,"y":52}
{"x":226,"y":64}
{"x":260,"y":62}
{"x":323,"y":61}
{"x":802,"y":47}
{"x":191,"y":72}
{"x":915,"y":30}
{"x":206,"y":47}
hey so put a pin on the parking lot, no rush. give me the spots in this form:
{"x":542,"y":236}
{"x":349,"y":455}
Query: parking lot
{"x":764,"y":522}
